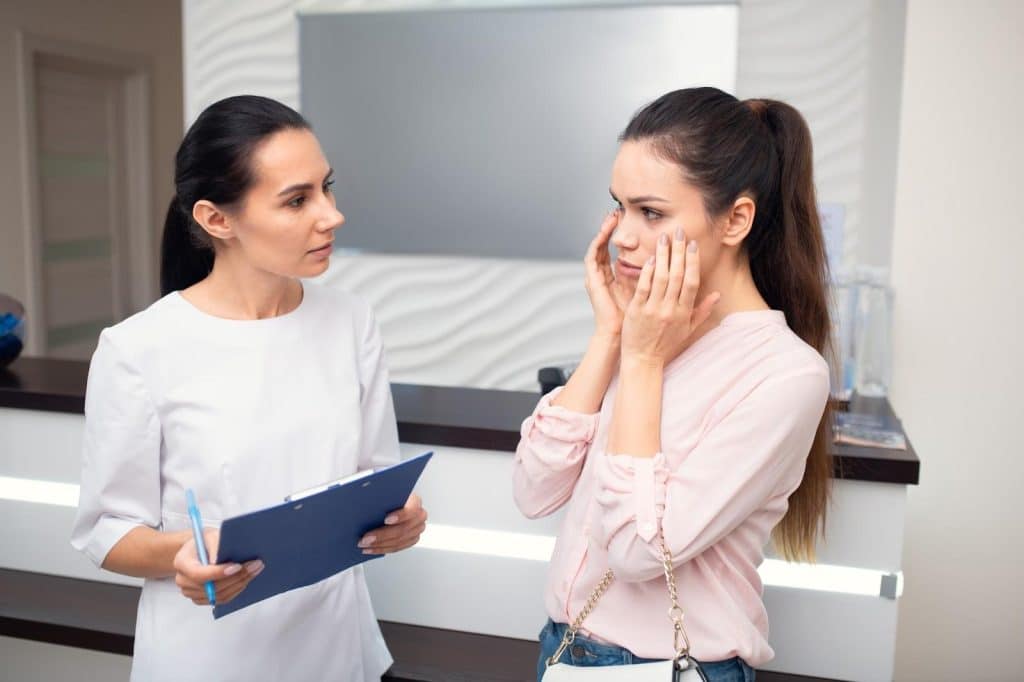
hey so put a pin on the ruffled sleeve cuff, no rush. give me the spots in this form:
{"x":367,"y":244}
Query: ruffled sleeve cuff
{"x":631,"y":492}
{"x":558,"y":438}
{"x":559,"y":423}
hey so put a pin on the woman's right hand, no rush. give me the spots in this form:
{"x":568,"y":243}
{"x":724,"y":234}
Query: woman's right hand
{"x":584,"y":392}
{"x":228,"y":579}
{"x":607,"y":295}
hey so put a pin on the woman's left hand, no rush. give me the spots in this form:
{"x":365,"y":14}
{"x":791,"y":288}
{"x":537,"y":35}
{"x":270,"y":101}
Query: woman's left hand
{"x":663,"y":313}
{"x":401,"y":530}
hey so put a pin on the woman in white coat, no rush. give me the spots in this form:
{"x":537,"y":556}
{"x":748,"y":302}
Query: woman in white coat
{"x":245,"y":384}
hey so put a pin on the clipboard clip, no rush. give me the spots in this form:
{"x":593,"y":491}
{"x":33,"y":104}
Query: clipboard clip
{"x":294,"y":497}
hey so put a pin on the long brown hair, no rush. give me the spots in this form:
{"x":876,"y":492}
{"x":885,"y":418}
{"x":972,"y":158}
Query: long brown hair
{"x":761,"y":148}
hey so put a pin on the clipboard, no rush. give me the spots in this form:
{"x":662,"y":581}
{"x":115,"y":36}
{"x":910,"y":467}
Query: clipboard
{"x":313,"y":537}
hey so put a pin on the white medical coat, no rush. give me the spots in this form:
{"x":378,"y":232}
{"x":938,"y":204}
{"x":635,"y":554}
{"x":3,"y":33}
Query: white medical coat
{"x":244,"y":412}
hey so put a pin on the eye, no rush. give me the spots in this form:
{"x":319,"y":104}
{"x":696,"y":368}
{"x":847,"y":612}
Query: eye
{"x":297,"y":202}
{"x":650,"y":213}
{"x":327,"y":186}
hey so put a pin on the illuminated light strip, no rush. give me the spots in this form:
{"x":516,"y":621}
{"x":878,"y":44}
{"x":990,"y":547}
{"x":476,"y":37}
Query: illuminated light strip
{"x":774,"y":572}
{"x":825,"y":578}
{"x":40,"y":492}
{"x":529,"y":547}
{"x":487,"y":542}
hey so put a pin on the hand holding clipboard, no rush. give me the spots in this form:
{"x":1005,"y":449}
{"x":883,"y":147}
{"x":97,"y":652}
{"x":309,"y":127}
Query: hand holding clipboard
{"x":315,"y":535}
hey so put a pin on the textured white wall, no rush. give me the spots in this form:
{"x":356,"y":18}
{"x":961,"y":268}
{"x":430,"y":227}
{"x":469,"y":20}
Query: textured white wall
{"x":833,"y":60}
{"x":839,"y":63}
{"x":239,"y":48}
{"x":958,"y":325}
{"x":488,"y":323}
{"x":236,"y":48}
{"x":484,"y":322}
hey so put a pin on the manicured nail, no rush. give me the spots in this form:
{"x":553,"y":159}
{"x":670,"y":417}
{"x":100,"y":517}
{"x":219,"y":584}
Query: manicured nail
{"x":232,"y":569}
{"x":370,"y":551}
{"x":391,"y":520}
{"x":663,"y":239}
{"x":650,"y":261}
{"x":368,"y":540}
{"x":253,"y":567}
{"x":692,"y":246}
{"x":679,"y":234}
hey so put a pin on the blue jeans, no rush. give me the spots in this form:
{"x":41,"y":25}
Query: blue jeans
{"x":587,"y":652}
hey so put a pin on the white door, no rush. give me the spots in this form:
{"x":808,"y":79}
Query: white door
{"x":80,"y":161}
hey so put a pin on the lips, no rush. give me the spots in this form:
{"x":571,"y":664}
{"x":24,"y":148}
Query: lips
{"x":322,"y":249}
{"x":627,"y":269}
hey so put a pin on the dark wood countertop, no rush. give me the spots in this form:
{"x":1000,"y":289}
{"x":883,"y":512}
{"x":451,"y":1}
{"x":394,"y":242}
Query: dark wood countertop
{"x":436,"y":415}
{"x":44,"y":384}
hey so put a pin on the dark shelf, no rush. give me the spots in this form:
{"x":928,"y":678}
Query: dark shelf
{"x":437,"y":415}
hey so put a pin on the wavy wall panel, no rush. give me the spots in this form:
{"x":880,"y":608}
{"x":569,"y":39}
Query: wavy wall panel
{"x":489,"y":323}
{"x":492,"y":323}
{"x":234,"y":48}
{"x":815,"y":56}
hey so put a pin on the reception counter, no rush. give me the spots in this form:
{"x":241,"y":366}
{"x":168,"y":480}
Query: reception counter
{"x":466,"y":603}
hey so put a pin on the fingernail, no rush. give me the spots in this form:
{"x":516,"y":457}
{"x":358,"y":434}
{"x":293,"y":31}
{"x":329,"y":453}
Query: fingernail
{"x":692,"y":246}
{"x":391,"y":520}
{"x":254,"y":567}
{"x":232,"y":569}
{"x":370,"y":551}
{"x":368,"y":540}
{"x":650,"y":261}
{"x":679,"y":234}
{"x":663,"y":239}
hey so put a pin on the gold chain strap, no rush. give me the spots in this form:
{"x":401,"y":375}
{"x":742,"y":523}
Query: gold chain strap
{"x":680,"y":640}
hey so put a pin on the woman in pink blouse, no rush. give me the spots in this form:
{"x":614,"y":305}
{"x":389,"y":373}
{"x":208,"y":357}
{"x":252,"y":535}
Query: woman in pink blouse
{"x":697,"y":416}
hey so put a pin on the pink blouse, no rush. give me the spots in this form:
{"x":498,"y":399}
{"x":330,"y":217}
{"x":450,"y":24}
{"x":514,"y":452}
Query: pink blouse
{"x":739,"y":414}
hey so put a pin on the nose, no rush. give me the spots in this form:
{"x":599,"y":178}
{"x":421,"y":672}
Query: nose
{"x":624,"y":238}
{"x":331,"y":219}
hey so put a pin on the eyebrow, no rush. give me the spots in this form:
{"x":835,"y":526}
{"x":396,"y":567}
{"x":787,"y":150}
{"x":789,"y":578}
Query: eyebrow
{"x":639,"y":200}
{"x":303,"y":186}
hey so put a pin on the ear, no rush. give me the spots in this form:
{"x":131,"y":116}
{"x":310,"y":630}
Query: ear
{"x":212,"y":219}
{"x":738,"y":221}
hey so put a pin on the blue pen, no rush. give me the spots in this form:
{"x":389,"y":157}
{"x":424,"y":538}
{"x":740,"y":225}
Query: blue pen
{"x":197,"y":533}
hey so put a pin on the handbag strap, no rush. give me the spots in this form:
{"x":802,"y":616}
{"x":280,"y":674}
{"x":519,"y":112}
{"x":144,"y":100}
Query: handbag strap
{"x":680,"y":640}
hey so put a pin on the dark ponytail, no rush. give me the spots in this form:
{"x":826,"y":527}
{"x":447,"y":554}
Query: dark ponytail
{"x":184,"y":259}
{"x":791,"y":271}
{"x":214,"y":163}
{"x":761,"y":148}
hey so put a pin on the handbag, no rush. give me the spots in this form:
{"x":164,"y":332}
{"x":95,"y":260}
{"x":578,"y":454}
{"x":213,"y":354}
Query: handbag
{"x":681,"y":668}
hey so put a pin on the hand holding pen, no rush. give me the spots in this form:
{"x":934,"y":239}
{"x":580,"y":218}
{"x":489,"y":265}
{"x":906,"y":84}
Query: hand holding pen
{"x":200,"y":578}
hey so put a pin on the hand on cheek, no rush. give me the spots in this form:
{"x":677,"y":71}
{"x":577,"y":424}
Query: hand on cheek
{"x":664,"y":310}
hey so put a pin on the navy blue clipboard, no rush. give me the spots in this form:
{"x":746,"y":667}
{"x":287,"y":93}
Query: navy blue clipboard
{"x":306,"y":540}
